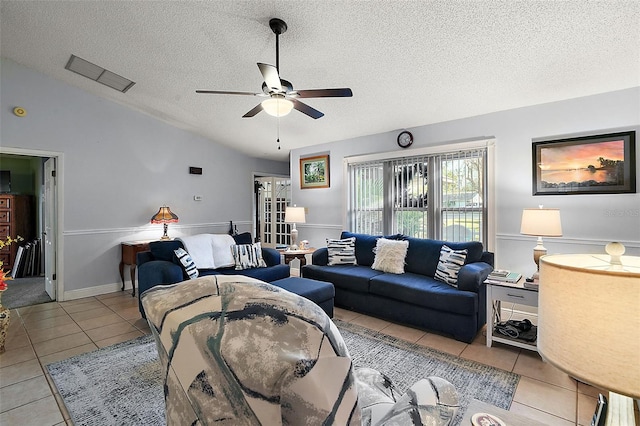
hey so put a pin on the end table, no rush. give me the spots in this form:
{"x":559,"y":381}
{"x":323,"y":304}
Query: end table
{"x":129,"y":251}
{"x":497,"y":292}
{"x":301,"y":255}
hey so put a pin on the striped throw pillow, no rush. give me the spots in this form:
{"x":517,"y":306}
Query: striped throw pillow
{"x":247,"y":256}
{"x":188,"y":264}
{"x":449,"y":265}
{"x":342,"y":252}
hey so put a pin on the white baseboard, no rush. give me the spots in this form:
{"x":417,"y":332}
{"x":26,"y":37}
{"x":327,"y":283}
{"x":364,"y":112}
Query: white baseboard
{"x":95,"y":291}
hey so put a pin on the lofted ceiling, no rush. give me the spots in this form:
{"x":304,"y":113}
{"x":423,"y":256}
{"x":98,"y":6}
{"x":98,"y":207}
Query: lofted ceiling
{"x":409,"y":63}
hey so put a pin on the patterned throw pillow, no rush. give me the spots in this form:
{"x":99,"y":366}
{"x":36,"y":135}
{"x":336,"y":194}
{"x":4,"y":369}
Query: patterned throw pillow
{"x":390,"y":256}
{"x":342,"y":252}
{"x":248,"y":256}
{"x":187,"y":263}
{"x":449,"y":265}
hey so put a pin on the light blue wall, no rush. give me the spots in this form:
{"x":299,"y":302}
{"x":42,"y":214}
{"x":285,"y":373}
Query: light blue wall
{"x":589,"y":221}
{"x":119,"y":167}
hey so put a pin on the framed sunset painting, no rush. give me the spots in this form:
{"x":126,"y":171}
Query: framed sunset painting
{"x":599,"y":164}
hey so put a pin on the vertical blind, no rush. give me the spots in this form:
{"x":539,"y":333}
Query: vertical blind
{"x":436,"y":196}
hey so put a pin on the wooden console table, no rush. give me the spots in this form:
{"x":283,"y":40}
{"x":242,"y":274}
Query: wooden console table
{"x":129,"y":251}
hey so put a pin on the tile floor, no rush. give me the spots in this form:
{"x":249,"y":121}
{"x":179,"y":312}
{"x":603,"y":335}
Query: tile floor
{"x":50,"y":332}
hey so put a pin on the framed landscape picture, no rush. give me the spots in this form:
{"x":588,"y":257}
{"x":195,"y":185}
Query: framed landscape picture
{"x":599,"y":164}
{"x":314,"y":172}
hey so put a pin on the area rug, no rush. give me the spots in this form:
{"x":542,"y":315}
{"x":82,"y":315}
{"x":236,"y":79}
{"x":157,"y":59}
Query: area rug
{"x":122,"y":384}
{"x":25,"y":292}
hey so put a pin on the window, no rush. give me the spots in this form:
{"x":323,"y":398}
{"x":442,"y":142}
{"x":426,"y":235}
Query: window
{"x":440,"y":195}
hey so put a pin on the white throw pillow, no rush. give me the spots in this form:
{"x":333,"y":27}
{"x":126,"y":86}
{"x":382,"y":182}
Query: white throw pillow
{"x":390,"y":255}
{"x":248,"y":256}
{"x":222,"y":256}
{"x":342,"y":252}
{"x":449,"y":265}
{"x":187,"y":263}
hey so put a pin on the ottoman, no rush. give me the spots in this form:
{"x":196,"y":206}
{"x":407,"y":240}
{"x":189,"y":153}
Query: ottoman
{"x":319,"y":292}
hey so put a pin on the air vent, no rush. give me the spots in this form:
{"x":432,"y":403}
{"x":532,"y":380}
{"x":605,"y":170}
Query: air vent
{"x":99,"y":74}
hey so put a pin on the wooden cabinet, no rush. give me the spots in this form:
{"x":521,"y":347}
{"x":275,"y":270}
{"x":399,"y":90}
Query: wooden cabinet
{"x":16,"y":218}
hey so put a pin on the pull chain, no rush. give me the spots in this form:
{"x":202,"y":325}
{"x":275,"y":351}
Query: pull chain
{"x":278,"y":125}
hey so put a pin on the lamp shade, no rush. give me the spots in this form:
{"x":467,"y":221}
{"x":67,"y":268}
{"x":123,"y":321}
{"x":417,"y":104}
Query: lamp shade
{"x":278,"y":107}
{"x":589,"y":319}
{"x":541,"y":222}
{"x":164,"y":215}
{"x":294,"y":215}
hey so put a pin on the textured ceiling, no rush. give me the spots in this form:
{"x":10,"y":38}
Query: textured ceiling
{"x":409,"y":63}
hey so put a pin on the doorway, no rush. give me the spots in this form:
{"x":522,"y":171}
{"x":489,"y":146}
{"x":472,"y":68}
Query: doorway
{"x":37,"y":174}
{"x":272,"y":196}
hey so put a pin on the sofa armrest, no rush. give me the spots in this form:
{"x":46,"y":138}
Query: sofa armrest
{"x":320,"y":257}
{"x":271,"y":256}
{"x":156,"y":272}
{"x":472,"y":275}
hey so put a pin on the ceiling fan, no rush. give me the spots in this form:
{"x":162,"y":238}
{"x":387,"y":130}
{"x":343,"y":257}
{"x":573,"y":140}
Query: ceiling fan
{"x":281,"y":96}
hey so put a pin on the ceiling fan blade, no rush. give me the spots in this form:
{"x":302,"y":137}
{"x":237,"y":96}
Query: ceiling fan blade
{"x":271,"y":77}
{"x":344,"y":92}
{"x":306,"y":109}
{"x":222,"y":92}
{"x":253,"y":112}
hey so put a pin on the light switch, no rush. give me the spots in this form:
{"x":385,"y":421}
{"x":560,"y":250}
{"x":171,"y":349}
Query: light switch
{"x":197,"y":198}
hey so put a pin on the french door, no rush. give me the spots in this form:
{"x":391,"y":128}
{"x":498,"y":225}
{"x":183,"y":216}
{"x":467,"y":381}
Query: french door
{"x":273,"y":196}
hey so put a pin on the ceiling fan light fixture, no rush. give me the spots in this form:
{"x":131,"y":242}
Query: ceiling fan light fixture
{"x":277,"y":107}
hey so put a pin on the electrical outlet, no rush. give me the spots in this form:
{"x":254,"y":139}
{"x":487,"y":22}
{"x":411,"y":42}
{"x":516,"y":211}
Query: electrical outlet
{"x":197,"y":198}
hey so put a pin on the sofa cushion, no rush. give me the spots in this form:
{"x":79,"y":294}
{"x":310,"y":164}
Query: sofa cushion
{"x":350,"y":277}
{"x":449,"y":264}
{"x":342,"y":252}
{"x":267,"y":274}
{"x":424,"y":291}
{"x":187,"y":263}
{"x":365,"y":244}
{"x":424,"y":254}
{"x":248,"y":256}
{"x":210,"y":250}
{"x":390,"y":256}
{"x":164,"y":250}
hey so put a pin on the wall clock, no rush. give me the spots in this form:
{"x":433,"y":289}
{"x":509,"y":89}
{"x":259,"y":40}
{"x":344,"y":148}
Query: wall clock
{"x":405,"y":139}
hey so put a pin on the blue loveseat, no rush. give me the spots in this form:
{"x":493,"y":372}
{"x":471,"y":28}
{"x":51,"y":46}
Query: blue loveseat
{"x":414,"y":297}
{"x":160,"y":266}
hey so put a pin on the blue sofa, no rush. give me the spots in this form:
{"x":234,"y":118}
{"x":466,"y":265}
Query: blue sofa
{"x":414,"y":297}
{"x":160,"y":266}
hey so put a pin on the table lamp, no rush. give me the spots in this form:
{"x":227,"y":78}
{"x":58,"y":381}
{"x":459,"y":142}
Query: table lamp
{"x":294,"y":215}
{"x":589,"y":320}
{"x":540,"y":223}
{"x":164,"y":216}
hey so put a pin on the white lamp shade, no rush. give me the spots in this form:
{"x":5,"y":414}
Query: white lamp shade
{"x":277,"y":107}
{"x":294,"y":215}
{"x":541,"y":222}
{"x":589,"y":319}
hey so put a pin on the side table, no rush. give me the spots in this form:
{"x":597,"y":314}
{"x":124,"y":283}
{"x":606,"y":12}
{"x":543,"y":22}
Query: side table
{"x":301,"y":255}
{"x":129,"y":251}
{"x":498,"y":292}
